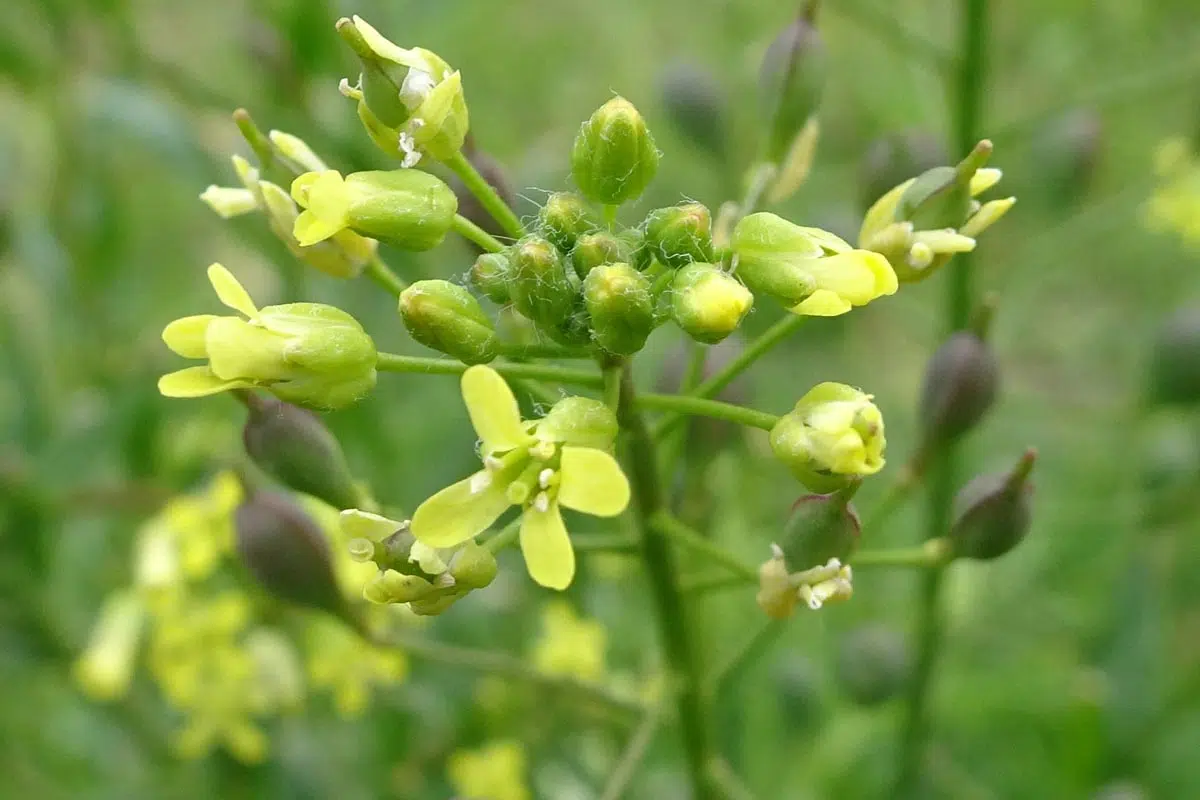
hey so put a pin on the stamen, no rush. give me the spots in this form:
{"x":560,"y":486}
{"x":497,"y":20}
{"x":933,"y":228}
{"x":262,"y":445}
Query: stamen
{"x":542,"y":451}
{"x":542,"y":502}
{"x":544,"y":478}
{"x":920,"y":256}
{"x":408,"y":146}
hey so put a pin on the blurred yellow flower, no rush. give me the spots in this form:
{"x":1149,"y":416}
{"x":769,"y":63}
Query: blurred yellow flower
{"x":570,"y":645}
{"x":339,"y":660}
{"x":1175,"y":204}
{"x":495,"y":771}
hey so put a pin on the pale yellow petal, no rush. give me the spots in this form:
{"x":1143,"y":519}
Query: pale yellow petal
{"x":822,"y":303}
{"x":356,"y":524}
{"x":459,"y":511}
{"x":493,"y":409}
{"x":882,"y":213}
{"x":229,"y":291}
{"x":196,"y":382}
{"x":185,"y":336}
{"x":549,"y":556}
{"x":984,"y":179}
{"x":309,"y":229}
{"x":592,"y":482}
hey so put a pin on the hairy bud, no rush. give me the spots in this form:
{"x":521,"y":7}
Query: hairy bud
{"x":564,"y":218}
{"x":993,"y":512}
{"x":614,"y":157}
{"x":618,"y":299}
{"x":679,"y":235}
{"x":490,"y":274}
{"x":540,"y":287}
{"x":708,"y":304}
{"x":593,"y":249}
{"x":447,"y":318}
{"x":873,"y":664}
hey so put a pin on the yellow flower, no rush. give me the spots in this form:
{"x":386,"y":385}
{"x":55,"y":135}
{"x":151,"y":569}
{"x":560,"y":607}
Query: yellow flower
{"x":342,"y":662}
{"x":808,"y":269}
{"x":105,"y":669}
{"x":1175,"y":204}
{"x":833,"y":436}
{"x":495,"y":771}
{"x":569,"y":645}
{"x":561,"y":460}
{"x":779,"y":590}
{"x":305,"y":353}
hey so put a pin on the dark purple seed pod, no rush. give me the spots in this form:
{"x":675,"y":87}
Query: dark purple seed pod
{"x":993,"y":512}
{"x":962,"y":380}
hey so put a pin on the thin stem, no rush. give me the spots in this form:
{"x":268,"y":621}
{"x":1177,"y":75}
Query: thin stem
{"x":679,"y":648}
{"x":746,"y":654}
{"x":728,"y":784}
{"x":382,"y":274}
{"x":761,"y":178}
{"x":505,"y":537}
{"x":493,"y":203}
{"x":393,"y":362}
{"x":895,"y":34}
{"x":671,"y":449}
{"x":703,"y":584}
{"x":612,"y":385}
{"x":934,"y":553}
{"x":897,"y":494}
{"x":683,"y":535}
{"x":603,"y":543}
{"x":635,"y":751}
{"x":516,"y":350}
{"x":752,"y":352}
{"x":696,"y":406}
{"x":473,"y":233}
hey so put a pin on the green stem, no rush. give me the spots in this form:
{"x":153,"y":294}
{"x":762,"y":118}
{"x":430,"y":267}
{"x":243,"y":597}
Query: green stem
{"x":746,"y":654}
{"x":635,"y":751}
{"x":895,"y":33}
{"x":696,"y":406}
{"x":670,"y":527}
{"x":895,"y":498}
{"x":679,"y":648}
{"x":393,"y":362}
{"x":505,"y":537}
{"x":943,"y":476}
{"x":763,"y":174}
{"x":703,"y":584}
{"x":671,"y":448}
{"x":932,"y":554}
{"x":612,"y":385}
{"x":493,"y":203}
{"x":382,"y":274}
{"x":473,"y":233}
{"x":515,"y":350}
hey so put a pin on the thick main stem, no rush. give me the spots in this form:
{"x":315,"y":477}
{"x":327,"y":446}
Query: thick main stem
{"x":679,"y":649}
{"x":943,"y":475}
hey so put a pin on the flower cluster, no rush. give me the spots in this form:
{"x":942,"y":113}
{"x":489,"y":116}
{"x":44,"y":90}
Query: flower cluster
{"x":1175,"y":204}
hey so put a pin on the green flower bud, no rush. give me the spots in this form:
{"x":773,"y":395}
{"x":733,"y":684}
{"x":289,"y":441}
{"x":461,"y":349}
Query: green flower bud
{"x":579,"y":422}
{"x":614,"y":158}
{"x":469,"y":205}
{"x":792,"y":80}
{"x":473,"y":566}
{"x":593,"y":249}
{"x":993,"y":512}
{"x":306,"y":353}
{"x":679,"y":235}
{"x":540,"y":287}
{"x":622,"y":310}
{"x":821,"y":527}
{"x":564,"y":218}
{"x":695,"y":105}
{"x":1175,"y":360}
{"x":391,"y":586}
{"x":286,"y":552}
{"x":447,"y":318}
{"x":708,"y":304}
{"x":293,"y":446}
{"x":490,"y":274}
{"x":873,"y":664}
{"x":833,"y":437}
{"x":961,"y":382}
{"x":893,"y":159}
{"x":408,"y":208}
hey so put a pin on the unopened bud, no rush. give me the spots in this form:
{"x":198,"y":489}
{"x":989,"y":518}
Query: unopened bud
{"x":614,"y":157}
{"x":873,"y":664}
{"x":296,"y":153}
{"x":622,"y":310}
{"x":489,"y":274}
{"x":593,"y":249}
{"x":564,"y":218}
{"x":679,"y":235}
{"x":447,"y":318}
{"x":1175,"y":360}
{"x":540,"y":287}
{"x":391,"y":586}
{"x":833,"y":437}
{"x":961,"y":382}
{"x":286,"y":551}
{"x":993,"y":512}
{"x":695,"y":104}
{"x":473,"y":566}
{"x":469,"y":205}
{"x":580,"y":422}
{"x":792,"y":80}
{"x":821,"y":527}
{"x":293,"y":446}
{"x":707,"y":303}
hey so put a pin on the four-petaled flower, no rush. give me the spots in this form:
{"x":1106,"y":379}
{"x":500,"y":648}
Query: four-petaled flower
{"x":561,"y":460}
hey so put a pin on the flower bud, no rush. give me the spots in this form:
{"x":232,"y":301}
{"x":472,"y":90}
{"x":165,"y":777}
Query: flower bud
{"x":618,"y":299}
{"x":961,"y":381}
{"x":708,"y":304}
{"x":469,"y":205}
{"x":540,"y":287}
{"x":489,"y":274}
{"x":792,"y":79}
{"x":821,"y":527}
{"x":286,"y":552}
{"x":695,"y":104}
{"x":296,"y":153}
{"x":993,"y":512}
{"x":579,"y":422}
{"x":473,"y":566}
{"x":614,"y":157}
{"x":564,"y":218}
{"x":293,"y":446}
{"x":447,"y":318}
{"x":873,"y":664}
{"x":1174,"y":374}
{"x":679,"y":235}
{"x":410,"y":209}
{"x":593,"y":249}
{"x":832,"y":437}
{"x":391,"y":586}
{"x":893,"y":159}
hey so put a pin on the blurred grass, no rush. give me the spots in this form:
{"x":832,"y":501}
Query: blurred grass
{"x":1069,"y":663}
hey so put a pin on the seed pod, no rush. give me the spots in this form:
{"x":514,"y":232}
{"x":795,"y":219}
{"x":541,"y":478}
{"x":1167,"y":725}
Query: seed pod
{"x":490,"y":274}
{"x":679,"y":235}
{"x":539,"y":286}
{"x":622,"y":310}
{"x":293,"y":446}
{"x":708,"y":304}
{"x":593,"y":249}
{"x":564,"y":218}
{"x":496,"y":177}
{"x":695,"y":104}
{"x":286,"y":552}
{"x":873,"y":664}
{"x":798,"y":687}
{"x":446,"y":317}
{"x":1175,"y":360}
{"x":792,"y":80}
{"x":614,"y":157}
{"x":993,"y":512}
{"x":961,"y":382}
{"x":893,"y":159}
{"x":821,"y":527}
